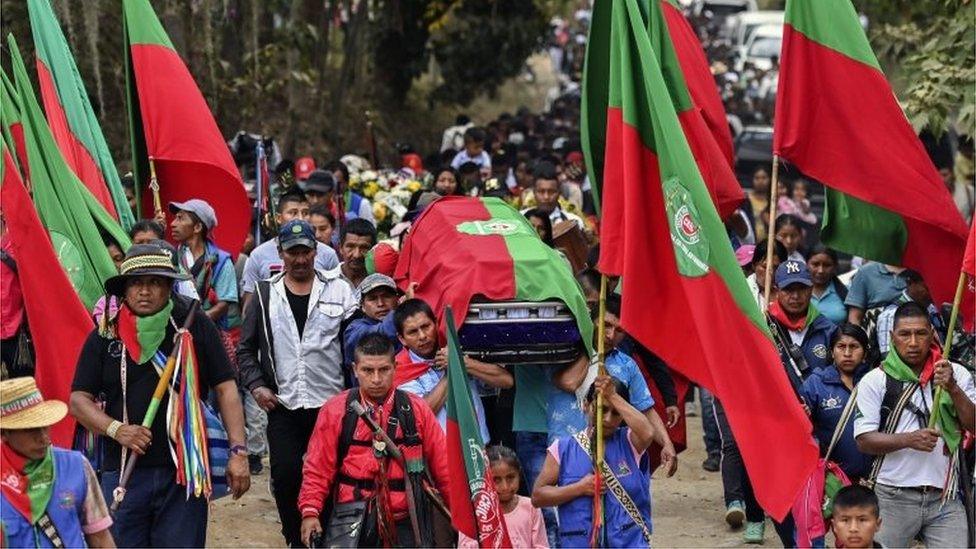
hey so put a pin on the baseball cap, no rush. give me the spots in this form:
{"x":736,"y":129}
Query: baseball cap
{"x":374,"y":281}
{"x":198,"y":207}
{"x":296,"y":233}
{"x":793,"y":272}
{"x":304,"y":166}
{"x":319,"y":181}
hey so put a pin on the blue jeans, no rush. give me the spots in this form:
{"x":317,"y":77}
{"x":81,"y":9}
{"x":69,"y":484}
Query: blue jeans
{"x":155,"y":511}
{"x":531,"y":451}
{"x":711,"y":435}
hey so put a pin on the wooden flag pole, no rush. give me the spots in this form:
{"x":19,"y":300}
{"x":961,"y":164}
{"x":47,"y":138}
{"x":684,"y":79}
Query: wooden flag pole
{"x":154,"y":186}
{"x":600,"y":445}
{"x":953,"y":317}
{"x":771,"y":232}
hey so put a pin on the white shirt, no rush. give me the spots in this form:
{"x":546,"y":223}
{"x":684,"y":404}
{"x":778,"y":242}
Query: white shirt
{"x":906,"y":467}
{"x":482,"y":160}
{"x":308,"y":370}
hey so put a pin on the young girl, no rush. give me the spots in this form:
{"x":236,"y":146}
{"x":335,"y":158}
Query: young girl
{"x":524,"y":522}
{"x":789,"y":230}
{"x":566,"y":479}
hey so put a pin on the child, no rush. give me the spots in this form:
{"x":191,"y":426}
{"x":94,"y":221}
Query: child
{"x":524,"y":522}
{"x":474,"y":150}
{"x":800,"y":194}
{"x":855,"y":517}
{"x":789,"y":230}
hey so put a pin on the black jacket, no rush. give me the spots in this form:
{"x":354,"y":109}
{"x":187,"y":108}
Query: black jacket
{"x":255,"y":351}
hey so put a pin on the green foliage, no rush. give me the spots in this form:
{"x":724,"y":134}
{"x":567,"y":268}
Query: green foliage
{"x":932,"y":44}
{"x":482,"y":43}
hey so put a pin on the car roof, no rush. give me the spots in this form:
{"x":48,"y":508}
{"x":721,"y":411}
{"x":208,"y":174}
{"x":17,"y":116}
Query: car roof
{"x":750,"y":17}
{"x":771,"y":31}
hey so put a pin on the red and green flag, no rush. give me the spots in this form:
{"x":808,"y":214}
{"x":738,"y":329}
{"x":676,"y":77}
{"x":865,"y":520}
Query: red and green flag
{"x":11,"y":125}
{"x":688,"y":81}
{"x":838,"y":121}
{"x":77,"y":223}
{"x":55,"y":314}
{"x":70,"y":114}
{"x":462,"y":247}
{"x":475,"y":509}
{"x":684,"y":295}
{"x":170,"y":122}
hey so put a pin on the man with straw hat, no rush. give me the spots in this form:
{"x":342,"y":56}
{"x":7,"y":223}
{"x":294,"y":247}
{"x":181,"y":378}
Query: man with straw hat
{"x":165,"y":503}
{"x":49,"y":497}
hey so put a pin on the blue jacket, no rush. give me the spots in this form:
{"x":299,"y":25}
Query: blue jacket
{"x":816,"y":343}
{"x":65,"y":507}
{"x":826,"y":396}
{"x":361,"y":326}
{"x":576,"y":516}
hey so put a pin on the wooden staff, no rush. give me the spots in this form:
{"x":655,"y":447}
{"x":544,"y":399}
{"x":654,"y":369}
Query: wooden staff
{"x":771,"y":231}
{"x":953,"y":317}
{"x":119,"y":493}
{"x":154,"y":187}
{"x":600,"y":444}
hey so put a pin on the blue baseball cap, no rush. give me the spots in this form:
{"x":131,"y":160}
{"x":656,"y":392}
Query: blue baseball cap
{"x":296,"y":233}
{"x":793,"y":272}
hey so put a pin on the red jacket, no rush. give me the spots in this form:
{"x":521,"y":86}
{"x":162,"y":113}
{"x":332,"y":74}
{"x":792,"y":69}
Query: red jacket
{"x":319,"y":471}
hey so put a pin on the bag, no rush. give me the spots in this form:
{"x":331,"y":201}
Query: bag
{"x":346,"y":525}
{"x":219,"y":449}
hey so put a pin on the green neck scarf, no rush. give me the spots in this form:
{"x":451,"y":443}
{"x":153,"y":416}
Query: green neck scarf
{"x":29,"y":484}
{"x":948,"y":421}
{"x":142,"y":335}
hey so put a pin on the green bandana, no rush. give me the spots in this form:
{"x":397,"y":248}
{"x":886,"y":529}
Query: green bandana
{"x":40,"y":483}
{"x":142,"y":335}
{"x":28,"y":485}
{"x":948,"y":421}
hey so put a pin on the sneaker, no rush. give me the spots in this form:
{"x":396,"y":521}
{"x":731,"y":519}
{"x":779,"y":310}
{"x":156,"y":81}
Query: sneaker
{"x":735,"y":513}
{"x":755,"y":532}
{"x":254,"y":462}
{"x":711,"y":464}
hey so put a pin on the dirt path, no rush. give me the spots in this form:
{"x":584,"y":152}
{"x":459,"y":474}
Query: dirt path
{"x":688,"y":509}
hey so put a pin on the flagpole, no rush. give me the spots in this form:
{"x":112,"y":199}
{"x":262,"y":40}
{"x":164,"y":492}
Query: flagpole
{"x":154,"y":186}
{"x":600,"y":445}
{"x":771,"y":231}
{"x":953,"y":317}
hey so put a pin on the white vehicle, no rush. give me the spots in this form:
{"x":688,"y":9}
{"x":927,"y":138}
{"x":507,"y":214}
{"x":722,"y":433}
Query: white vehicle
{"x":763,"y":45}
{"x":739,"y":27}
{"x":721,"y":9}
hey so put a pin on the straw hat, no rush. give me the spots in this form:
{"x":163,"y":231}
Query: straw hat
{"x":23,"y":407}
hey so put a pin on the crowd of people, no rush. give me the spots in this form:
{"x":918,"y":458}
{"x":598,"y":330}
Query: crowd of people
{"x":319,"y":363}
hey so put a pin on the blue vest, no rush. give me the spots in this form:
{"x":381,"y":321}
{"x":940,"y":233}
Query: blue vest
{"x":576,"y":516}
{"x":65,"y":507}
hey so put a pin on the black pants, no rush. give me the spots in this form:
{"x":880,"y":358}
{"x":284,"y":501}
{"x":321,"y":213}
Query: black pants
{"x":736,"y":484}
{"x":288,"y":435}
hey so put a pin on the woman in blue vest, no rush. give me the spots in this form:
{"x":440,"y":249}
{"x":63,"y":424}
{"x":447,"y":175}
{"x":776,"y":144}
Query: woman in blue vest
{"x":49,"y":497}
{"x":566,"y":480}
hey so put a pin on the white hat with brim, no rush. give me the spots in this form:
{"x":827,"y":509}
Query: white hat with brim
{"x":23,"y":407}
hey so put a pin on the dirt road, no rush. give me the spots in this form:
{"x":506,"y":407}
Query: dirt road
{"x":688,"y":509}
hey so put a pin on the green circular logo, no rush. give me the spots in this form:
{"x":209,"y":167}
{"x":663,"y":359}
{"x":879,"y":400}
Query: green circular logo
{"x":70,"y":259}
{"x":684,"y":220}
{"x":502,"y":227}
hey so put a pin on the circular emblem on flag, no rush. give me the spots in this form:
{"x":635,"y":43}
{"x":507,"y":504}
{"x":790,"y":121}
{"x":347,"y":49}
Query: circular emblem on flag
{"x":483,"y":496}
{"x":684,"y":220}
{"x":70,"y":259}
{"x":820,"y":350}
{"x":502,"y":227}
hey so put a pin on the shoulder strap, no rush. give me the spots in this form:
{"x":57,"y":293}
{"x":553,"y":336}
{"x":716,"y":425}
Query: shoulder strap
{"x":890,"y":413}
{"x":845,"y":418}
{"x":617,"y":489}
{"x":405,"y":415}
{"x":349,"y":421}
{"x":47,"y":526}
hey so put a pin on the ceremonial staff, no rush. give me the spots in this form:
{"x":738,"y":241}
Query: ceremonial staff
{"x":119,"y":493}
{"x":600,"y":445}
{"x":953,"y":317}
{"x":154,"y":187}
{"x":771,"y":233}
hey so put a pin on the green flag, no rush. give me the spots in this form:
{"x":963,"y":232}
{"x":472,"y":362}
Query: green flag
{"x":78,"y":225}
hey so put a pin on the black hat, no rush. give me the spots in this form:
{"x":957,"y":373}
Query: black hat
{"x":319,"y":181}
{"x":144,"y":260}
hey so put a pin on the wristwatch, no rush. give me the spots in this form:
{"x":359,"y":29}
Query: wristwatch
{"x":238,"y":449}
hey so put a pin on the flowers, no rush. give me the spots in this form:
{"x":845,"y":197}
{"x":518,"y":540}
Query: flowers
{"x":390,"y":192}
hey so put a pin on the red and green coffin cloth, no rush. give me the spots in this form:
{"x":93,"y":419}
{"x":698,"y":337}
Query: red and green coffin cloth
{"x":839,"y":122}
{"x":171,"y":122}
{"x":684,"y":295}
{"x":70,"y":114}
{"x":689,"y":82}
{"x":461,"y":247}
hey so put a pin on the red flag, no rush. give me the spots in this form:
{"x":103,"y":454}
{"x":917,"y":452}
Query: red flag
{"x":684,"y":295}
{"x":58,"y":321}
{"x":969,"y":260}
{"x":172,"y":123}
